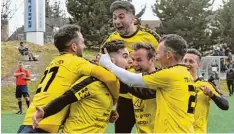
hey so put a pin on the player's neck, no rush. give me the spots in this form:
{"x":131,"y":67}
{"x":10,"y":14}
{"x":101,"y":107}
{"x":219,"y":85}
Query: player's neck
{"x":68,"y":52}
{"x":133,"y":29}
{"x":152,"y":69}
{"x":173,"y":63}
{"x":194,"y":74}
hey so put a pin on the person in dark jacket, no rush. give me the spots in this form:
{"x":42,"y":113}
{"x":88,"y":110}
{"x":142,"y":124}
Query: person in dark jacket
{"x":230,"y":80}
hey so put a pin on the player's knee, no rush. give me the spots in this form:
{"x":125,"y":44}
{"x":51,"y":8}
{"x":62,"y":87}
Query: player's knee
{"x":19,"y":99}
{"x":26,"y":98}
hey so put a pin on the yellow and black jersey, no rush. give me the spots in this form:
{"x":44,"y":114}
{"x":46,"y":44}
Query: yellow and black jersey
{"x":91,"y":112}
{"x":90,"y":106}
{"x":203,"y":106}
{"x":60,"y":74}
{"x":143,"y":34}
{"x":144,"y":105}
{"x":175,"y":99}
{"x":144,"y":114}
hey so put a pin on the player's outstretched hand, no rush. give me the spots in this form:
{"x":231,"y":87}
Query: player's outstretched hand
{"x":105,"y":59}
{"x":113,"y":116}
{"x":37,"y":117}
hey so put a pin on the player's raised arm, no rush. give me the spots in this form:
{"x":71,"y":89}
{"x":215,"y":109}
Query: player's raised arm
{"x":135,"y":80}
{"x":108,"y":78}
{"x":102,"y":74}
{"x":131,"y":79}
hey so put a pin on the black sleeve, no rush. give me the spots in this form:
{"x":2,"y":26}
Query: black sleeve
{"x":220,"y":102}
{"x":59,"y":103}
{"x":124,"y":88}
{"x":68,"y":97}
{"x":142,"y":93}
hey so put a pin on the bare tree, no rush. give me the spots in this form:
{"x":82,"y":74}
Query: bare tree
{"x":55,"y":17}
{"x":55,"y":14}
{"x":7,"y":13}
{"x":6,"y":9}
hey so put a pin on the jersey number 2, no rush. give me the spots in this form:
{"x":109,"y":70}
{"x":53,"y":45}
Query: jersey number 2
{"x":192,"y":99}
{"x":54,"y":71}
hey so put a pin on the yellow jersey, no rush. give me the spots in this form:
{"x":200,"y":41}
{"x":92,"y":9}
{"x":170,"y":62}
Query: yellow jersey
{"x":91,"y":113}
{"x":60,"y":74}
{"x":142,"y":34}
{"x":175,"y":99}
{"x":202,"y":107}
{"x":144,"y":114}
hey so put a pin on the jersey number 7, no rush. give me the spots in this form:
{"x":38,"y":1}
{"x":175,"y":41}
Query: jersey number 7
{"x":54,"y":71}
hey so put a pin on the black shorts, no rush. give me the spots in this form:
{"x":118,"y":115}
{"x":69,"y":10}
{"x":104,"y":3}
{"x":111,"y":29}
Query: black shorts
{"x":126,"y":120}
{"x":21,"y":91}
{"x":29,"y":129}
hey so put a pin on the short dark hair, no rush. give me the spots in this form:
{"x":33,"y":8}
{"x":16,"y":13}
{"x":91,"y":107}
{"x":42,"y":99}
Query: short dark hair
{"x":21,"y":42}
{"x":195,"y":52}
{"x":113,"y":46}
{"x":176,"y":43}
{"x":20,"y":63}
{"x":126,"y":5}
{"x":65,"y":35}
{"x":146,"y":46}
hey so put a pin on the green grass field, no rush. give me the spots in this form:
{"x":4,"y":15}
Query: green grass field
{"x":219,"y":121}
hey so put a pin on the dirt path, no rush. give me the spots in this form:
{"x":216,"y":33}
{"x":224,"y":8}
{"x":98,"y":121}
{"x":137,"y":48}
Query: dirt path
{"x":32,"y":66}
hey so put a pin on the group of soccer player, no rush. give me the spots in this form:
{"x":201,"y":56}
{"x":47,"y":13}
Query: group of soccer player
{"x":77,"y":96}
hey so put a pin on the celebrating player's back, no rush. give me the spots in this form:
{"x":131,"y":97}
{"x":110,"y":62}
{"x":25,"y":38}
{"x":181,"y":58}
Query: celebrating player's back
{"x":60,"y":74}
{"x":67,"y":68}
{"x":175,"y":102}
{"x":93,"y":104}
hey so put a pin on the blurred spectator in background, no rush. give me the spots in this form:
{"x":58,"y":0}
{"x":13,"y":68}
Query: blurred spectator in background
{"x":230,"y":80}
{"x":202,"y":76}
{"x":25,"y":52}
{"x":229,"y":59}
{"x":218,"y":52}
{"x":231,"y":65}
{"x":226,"y":50}
{"x":212,"y":78}
{"x":223,"y":65}
{"x":222,"y":52}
